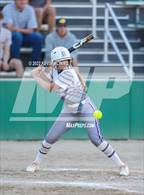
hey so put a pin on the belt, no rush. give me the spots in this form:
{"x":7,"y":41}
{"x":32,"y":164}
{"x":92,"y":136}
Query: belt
{"x":77,"y":104}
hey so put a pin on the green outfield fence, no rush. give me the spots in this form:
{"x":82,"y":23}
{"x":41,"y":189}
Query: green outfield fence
{"x":27,"y":111}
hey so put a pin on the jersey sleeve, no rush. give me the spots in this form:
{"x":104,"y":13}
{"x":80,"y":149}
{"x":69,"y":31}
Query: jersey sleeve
{"x":32,"y":22}
{"x":64,"y":80}
{"x":7,"y":15}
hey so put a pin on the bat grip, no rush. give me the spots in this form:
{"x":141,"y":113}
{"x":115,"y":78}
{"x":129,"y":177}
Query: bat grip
{"x":71,"y":49}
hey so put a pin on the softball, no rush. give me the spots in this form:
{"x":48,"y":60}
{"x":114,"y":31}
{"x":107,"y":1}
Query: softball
{"x":97,"y":114}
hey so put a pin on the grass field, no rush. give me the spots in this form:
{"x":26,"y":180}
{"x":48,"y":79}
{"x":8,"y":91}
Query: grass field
{"x":71,"y":167}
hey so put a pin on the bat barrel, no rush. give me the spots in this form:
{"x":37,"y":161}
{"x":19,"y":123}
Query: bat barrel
{"x":81,"y":42}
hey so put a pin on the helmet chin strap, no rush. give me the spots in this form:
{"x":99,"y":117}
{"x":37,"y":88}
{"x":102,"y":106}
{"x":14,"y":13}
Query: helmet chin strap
{"x":59,"y":71}
{"x":55,"y":66}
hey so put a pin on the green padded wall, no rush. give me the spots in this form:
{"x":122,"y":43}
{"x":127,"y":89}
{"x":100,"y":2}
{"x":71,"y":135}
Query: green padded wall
{"x":27,"y":111}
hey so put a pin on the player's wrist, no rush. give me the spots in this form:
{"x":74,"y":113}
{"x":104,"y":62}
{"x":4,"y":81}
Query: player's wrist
{"x":37,"y":72}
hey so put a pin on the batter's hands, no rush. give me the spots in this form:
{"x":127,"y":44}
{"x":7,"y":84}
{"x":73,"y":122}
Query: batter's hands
{"x":37,"y":71}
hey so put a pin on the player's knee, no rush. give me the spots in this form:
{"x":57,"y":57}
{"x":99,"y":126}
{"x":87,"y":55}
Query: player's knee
{"x":95,"y":137}
{"x":96,"y":141}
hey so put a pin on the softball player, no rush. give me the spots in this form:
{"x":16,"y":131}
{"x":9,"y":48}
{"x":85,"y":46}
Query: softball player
{"x":77,"y":107}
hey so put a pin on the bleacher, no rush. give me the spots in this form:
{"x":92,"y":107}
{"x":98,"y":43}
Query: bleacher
{"x":79,"y":16}
{"x":139,"y":6}
{"x":134,"y":2}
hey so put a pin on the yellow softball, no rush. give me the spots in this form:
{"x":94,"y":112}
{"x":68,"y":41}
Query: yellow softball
{"x":97,"y":114}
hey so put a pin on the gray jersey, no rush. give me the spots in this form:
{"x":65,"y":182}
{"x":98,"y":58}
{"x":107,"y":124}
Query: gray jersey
{"x":71,"y":89}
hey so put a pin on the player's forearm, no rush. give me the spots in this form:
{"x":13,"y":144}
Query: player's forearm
{"x":46,"y":85}
{"x":44,"y":77}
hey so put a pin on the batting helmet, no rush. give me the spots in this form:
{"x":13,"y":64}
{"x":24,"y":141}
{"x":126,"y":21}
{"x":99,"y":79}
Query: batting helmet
{"x":59,"y":54}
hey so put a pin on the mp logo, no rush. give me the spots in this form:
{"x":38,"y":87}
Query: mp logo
{"x":63,"y":53}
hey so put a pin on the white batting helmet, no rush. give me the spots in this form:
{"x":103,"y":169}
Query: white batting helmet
{"x":59,"y":54}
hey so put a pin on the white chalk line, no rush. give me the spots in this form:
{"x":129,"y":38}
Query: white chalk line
{"x":76,"y":169}
{"x":74,"y":184}
{"x":73,"y":169}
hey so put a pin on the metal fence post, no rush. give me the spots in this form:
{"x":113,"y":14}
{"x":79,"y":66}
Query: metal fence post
{"x":94,"y":19}
{"x":131,"y":72}
{"x":106,"y":34}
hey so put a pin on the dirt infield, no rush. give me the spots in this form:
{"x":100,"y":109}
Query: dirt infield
{"x":71,"y":167}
